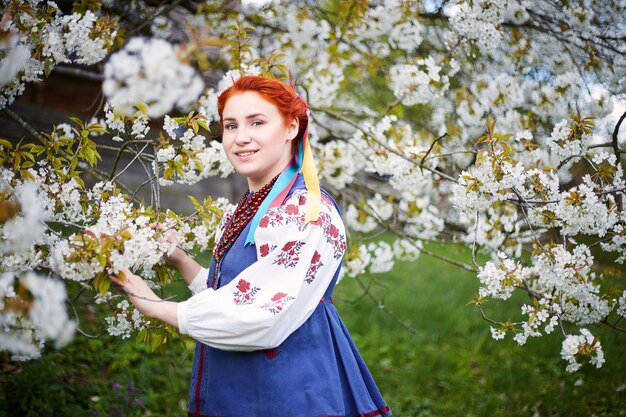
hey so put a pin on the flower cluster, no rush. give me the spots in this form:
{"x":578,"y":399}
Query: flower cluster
{"x":500,"y":278}
{"x":192,"y":159}
{"x":418,"y":83}
{"x":544,"y":314}
{"x":149,"y":72}
{"x":478,"y":21}
{"x":103,"y":232}
{"x":491,"y":180}
{"x":126,"y":321}
{"x":32,"y":310}
{"x":42,"y":37}
{"x":584,"y":344}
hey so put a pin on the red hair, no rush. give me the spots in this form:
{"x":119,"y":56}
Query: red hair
{"x":282,"y":95}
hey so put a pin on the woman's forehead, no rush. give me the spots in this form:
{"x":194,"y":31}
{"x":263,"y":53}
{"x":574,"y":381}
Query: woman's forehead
{"x":248,"y":102}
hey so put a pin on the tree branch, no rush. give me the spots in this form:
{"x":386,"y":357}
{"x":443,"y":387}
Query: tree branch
{"x":96,"y":173}
{"x":78,"y":72}
{"x":384,"y":145}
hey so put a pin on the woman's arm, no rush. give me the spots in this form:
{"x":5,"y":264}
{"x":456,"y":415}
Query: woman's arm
{"x":186,"y":266}
{"x":271,"y":298}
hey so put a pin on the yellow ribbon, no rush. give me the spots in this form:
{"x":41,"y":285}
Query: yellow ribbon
{"x":314,"y":198}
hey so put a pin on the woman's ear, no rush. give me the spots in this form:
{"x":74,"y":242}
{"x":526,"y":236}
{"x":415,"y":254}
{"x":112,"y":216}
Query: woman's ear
{"x":292,"y":129}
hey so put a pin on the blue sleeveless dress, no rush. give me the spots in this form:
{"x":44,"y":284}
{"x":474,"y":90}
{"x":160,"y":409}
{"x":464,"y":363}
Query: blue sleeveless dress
{"x":316,"y":372}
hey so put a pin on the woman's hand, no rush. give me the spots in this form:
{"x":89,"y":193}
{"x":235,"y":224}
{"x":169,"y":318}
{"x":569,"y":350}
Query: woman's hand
{"x":176,"y":256}
{"x":144,"y":299}
{"x":186,"y":266}
{"x":137,"y":290}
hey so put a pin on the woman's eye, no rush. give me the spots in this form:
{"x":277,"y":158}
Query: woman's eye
{"x":230,"y":126}
{"x":257,"y":123}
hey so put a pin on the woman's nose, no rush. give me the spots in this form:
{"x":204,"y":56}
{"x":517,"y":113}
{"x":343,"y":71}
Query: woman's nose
{"x":242,"y":135}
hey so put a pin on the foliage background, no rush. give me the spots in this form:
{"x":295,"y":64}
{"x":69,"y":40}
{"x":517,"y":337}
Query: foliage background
{"x":449,"y":366}
{"x":445,"y":364}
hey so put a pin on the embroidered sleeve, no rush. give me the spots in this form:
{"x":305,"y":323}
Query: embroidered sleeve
{"x":271,"y":298}
{"x":199,"y":282}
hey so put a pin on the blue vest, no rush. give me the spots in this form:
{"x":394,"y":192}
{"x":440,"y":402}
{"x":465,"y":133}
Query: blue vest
{"x":316,"y":372}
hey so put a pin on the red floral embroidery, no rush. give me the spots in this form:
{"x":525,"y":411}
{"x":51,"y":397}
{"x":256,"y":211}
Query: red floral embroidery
{"x":265,"y":249}
{"x":245,"y":292}
{"x":333,"y":237}
{"x":313,"y":268}
{"x":283,"y":215}
{"x":264,"y":222}
{"x":291,"y":213}
{"x":279,"y":300}
{"x":279,"y":296}
{"x":243,"y":285}
{"x":289,"y":255}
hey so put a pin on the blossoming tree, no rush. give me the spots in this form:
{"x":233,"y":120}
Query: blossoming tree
{"x":495,"y":124}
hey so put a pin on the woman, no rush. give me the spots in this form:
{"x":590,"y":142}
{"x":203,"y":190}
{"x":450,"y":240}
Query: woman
{"x":269,"y":340}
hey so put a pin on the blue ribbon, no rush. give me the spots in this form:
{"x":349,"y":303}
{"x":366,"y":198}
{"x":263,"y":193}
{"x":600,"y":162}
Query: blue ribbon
{"x":285,"y":179}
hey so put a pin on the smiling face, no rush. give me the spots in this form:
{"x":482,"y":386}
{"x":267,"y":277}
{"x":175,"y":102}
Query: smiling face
{"x":256,"y":138}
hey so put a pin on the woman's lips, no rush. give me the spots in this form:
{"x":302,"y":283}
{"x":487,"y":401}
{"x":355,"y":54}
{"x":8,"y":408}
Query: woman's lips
{"x":245,"y":154}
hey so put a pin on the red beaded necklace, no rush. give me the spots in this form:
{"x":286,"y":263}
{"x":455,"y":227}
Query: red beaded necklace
{"x":245,"y":211}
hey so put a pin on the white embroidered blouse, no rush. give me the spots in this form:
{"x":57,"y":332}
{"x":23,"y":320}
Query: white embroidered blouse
{"x":275,"y":295}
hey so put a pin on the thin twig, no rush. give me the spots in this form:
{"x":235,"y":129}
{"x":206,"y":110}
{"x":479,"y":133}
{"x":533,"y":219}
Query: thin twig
{"x":616,"y":149}
{"x":386,"y":310}
{"x":432,"y":145}
{"x":474,"y":243}
{"x":77,"y":317}
{"x":449,"y":260}
{"x":119,"y":154}
{"x":149,"y":180}
{"x":130,"y":163}
{"x":612,"y":326}
{"x":78,"y":72}
{"x":385,"y":146}
{"x":96,"y":173}
{"x":484,"y":315}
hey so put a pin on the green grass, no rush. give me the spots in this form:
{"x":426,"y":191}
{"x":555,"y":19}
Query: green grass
{"x":452,"y":366}
{"x":449,"y":367}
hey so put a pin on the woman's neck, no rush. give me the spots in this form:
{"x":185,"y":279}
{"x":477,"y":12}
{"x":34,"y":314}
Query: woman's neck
{"x":255,"y":185}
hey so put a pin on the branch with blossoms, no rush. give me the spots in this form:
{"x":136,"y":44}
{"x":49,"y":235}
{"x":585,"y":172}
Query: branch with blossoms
{"x":404,"y":100}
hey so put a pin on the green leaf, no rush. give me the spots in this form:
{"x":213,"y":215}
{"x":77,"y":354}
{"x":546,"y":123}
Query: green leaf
{"x":143,"y":107}
{"x":156,"y":341}
{"x":203,"y":125}
{"x":102,"y":283}
{"x":6,"y":144}
{"x":77,"y":121}
{"x":142,"y":336}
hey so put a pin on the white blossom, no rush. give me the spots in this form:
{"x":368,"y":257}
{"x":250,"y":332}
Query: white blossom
{"x":497,"y":334}
{"x":24,"y":334}
{"x":125,"y":321}
{"x":582,"y":345}
{"x":149,"y":71}
{"x":499,"y":278}
{"x":418,"y":83}
{"x":382,"y":257}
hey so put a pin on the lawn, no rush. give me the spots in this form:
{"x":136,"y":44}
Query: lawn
{"x":452,"y":367}
{"x":449,"y":365}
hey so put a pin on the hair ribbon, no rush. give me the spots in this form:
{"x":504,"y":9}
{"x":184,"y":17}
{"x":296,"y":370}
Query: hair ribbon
{"x":303,"y":162}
